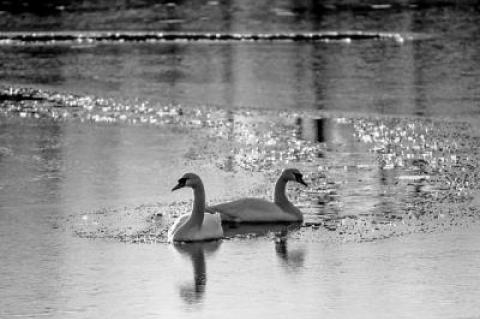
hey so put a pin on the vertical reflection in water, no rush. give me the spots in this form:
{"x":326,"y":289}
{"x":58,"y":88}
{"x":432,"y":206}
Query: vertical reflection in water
{"x":194,"y":293}
{"x":174,"y":74}
{"x":361,"y":189}
{"x":228,"y":76}
{"x":299,"y":128}
{"x":229,"y":165}
{"x":303,"y":81}
{"x":226,"y":15}
{"x":172,"y":17}
{"x":400,"y":96}
{"x":335,"y":69}
{"x":168,"y":60}
{"x":293,"y":259}
{"x":267,"y":75}
{"x":387,"y":178}
{"x":324,"y":130}
{"x":321,"y":130}
{"x":320,"y":78}
{"x":52,"y":161}
{"x":420,"y":80}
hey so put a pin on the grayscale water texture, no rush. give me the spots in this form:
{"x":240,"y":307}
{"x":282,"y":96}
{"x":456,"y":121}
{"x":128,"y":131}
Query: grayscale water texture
{"x":94,"y":134}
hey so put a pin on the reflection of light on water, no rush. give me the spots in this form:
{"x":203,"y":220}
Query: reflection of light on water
{"x":378,"y":171}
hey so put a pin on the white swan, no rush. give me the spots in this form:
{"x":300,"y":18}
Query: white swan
{"x":254,"y":210}
{"x":196,"y":226}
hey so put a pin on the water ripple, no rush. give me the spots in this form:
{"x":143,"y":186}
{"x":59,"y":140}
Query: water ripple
{"x":369,"y":177}
{"x":119,"y":37}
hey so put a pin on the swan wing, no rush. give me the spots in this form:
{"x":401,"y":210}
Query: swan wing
{"x":211,"y":227}
{"x":179,"y":222}
{"x":251,"y":210}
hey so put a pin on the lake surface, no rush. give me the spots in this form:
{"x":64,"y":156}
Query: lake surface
{"x":434,"y":71}
{"x":94,"y":134}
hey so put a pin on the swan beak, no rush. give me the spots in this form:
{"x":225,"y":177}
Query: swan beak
{"x":177,"y":187}
{"x":300,"y":180}
{"x":181,"y":184}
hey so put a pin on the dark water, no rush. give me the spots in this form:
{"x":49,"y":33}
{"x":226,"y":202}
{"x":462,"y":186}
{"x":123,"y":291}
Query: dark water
{"x":385,"y":131}
{"x":435,"y":71}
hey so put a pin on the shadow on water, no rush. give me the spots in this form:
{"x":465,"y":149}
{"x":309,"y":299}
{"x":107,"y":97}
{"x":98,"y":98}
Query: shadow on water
{"x":245,"y":230}
{"x":193,"y":293}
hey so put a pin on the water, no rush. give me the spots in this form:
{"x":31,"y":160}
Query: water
{"x":432,"y":275}
{"x":434,"y":73}
{"x":403,"y":79}
{"x":385,"y":132}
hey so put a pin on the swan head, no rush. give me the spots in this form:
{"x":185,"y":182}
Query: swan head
{"x":293,"y":174}
{"x":188,"y":180}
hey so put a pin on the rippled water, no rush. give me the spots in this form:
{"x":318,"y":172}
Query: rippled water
{"x":94,"y":135}
{"x":77,"y":173}
{"x":434,"y":73}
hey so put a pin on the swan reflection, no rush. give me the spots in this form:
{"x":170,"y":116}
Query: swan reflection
{"x":292,"y":259}
{"x":193,"y":293}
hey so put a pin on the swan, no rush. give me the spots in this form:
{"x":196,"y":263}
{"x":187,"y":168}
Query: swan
{"x":254,"y":210}
{"x":196,"y":226}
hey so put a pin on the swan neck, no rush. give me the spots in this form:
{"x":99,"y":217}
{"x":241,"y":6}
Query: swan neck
{"x":279,"y":195}
{"x":196,"y":219}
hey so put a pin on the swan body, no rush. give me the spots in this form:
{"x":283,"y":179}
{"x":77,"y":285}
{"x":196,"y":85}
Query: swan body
{"x":254,"y":210}
{"x":210,"y":229}
{"x":196,"y":226}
